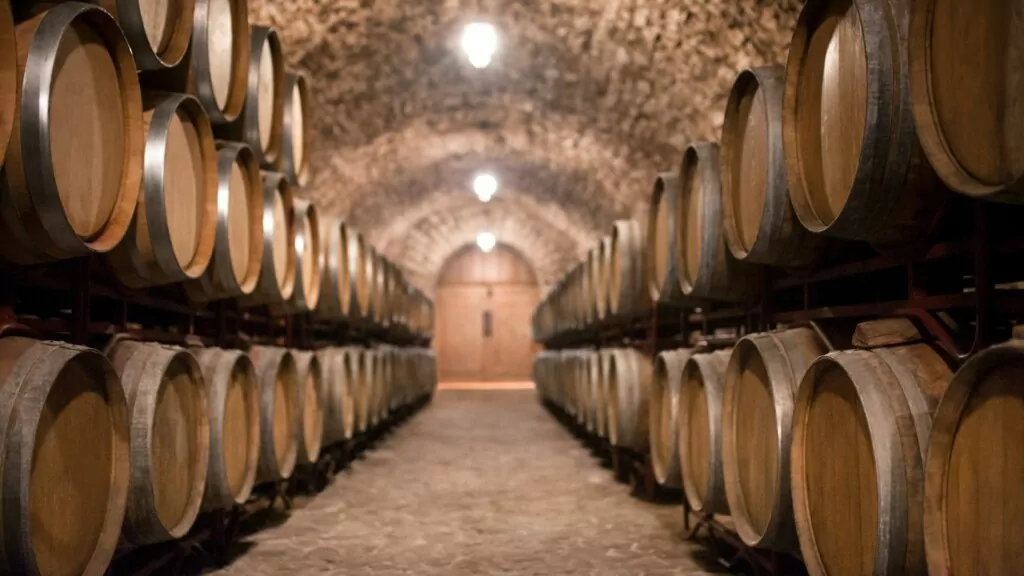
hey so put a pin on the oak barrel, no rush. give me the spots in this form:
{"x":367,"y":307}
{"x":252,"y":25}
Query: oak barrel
{"x":8,"y":77}
{"x":170,"y":441}
{"x":860,"y":510}
{"x":297,"y":125}
{"x":238,"y":244}
{"x":74,"y":164}
{"x":663,"y":415}
{"x":233,"y":400}
{"x":279,"y":412}
{"x":663,"y":239}
{"x":603,"y":277}
{"x":306,"y":253}
{"x":261,"y":123}
{"x":218,"y":70}
{"x":974,"y":477}
{"x":705,"y":266}
{"x":157,"y":30}
{"x":628,"y":385}
{"x":171,"y":237}
{"x":64,"y":458}
{"x":627,"y":282}
{"x":757,"y":422}
{"x":335,"y":285}
{"x":700,"y":431}
{"x":276,"y":282}
{"x":855,"y":168}
{"x":339,"y":373}
{"x":312,"y":387}
{"x":365,"y":389}
{"x":964,"y":84}
{"x":758,"y":219}
{"x":359,"y":270}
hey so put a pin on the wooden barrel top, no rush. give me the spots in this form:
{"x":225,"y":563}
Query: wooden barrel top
{"x":175,"y":443}
{"x":695,"y":433}
{"x":283,"y":417}
{"x":240,"y":232}
{"x":70,"y":484}
{"x":235,"y":429}
{"x":221,"y":49}
{"x":692,"y":220}
{"x":87,"y":133}
{"x":184,"y":186}
{"x":282,"y":245}
{"x":267,"y":91}
{"x":159,"y":19}
{"x":757,"y":454}
{"x":298,"y":115}
{"x":662,"y":230}
{"x":748,"y":165}
{"x":841,"y":490}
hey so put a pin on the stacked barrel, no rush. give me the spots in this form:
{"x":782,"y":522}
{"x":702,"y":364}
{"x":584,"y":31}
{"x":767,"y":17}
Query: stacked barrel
{"x":883,"y":455}
{"x":170,"y":140}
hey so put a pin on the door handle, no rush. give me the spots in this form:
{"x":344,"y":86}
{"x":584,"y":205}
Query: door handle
{"x":487,"y":323}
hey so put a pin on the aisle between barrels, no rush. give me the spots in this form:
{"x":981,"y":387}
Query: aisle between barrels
{"x":481,"y":482}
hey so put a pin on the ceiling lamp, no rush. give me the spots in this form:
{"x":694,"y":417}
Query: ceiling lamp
{"x":486,"y":241}
{"x":480,"y":43}
{"x":485,"y":186}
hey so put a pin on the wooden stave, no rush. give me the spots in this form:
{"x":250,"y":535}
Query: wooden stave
{"x":785,"y":354}
{"x":306,"y":363}
{"x":304,"y":298}
{"x":627,"y":296}
{"x":34,"y":226}
{"x":23,"y":394}
{"x":667,"y":183}
{"x":129,"y":17}
{"x":929,"y":131}
{"x":665,"y":381}
{"x":245,"y":128}
{"x":134,"y":264}
{"x":712,"y":367}
{"x":218,"y":366}
{"x":890,"y":414}
{"x":267,"y":290}
{"x":200,"y":82}
{"x":269,"y":362}
{"x":719,"y":275}
{"x":627,"y":405}
{"x":8,"y":77}
{"x":297,"y":175}
{"x":781,"y":239}
{"x":137,"y":363}
{"x":219,"y":282}
{"x":944,"y":427}
{"x":877,"y":196}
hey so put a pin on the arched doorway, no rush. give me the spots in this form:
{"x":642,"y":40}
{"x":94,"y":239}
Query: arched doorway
{"x":484,"y":302}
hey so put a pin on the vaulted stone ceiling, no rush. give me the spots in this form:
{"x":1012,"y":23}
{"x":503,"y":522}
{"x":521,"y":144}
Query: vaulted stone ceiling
{"x":584,"y":103}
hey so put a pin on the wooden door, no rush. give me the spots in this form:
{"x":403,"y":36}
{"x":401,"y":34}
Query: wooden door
{"x":457,"y":334}
{"x":509,"y":348}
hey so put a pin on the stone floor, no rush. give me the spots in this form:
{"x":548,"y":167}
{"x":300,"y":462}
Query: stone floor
{"x":480,"y":482}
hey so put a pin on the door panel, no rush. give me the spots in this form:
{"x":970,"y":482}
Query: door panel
{"x":458,"y":334}
{"x":509,"y":350}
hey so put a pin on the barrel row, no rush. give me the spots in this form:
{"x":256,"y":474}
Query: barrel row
{"x":862,"y":461}
{"x":129,"y":445}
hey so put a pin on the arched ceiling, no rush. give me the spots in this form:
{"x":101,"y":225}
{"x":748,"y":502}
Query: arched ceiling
{"x":584,"y":103}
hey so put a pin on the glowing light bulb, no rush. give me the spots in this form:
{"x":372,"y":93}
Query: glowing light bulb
{"x":480,"y":43}
{"x":485,"y":186}
{"x":486,"y":241}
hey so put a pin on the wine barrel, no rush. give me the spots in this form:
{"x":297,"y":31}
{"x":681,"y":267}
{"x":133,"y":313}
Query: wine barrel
{"x":170,"y":441}
{"x":158,"y":32}
{"x":74,"y":165}
{"x":855,"y":167}
{"x":238,"y":245}
{"x":64,"y":435}
{"x":757,"y":421}
{"x":627,"y":283}
{"x":340,"y":372}
{"x":307,"y":251}
{"x":860,"y":511}
{"x":370,"y":264}
{"x":595,"y":409}
{"x":365,"y":384}
{"x":218,"y":71}
{"x":759,"y":222}
{"x":233,"y":400}
{"x":261,"y":123}
{"x":663,"y":239}
{"x":664,"y":416}
{"x":603,"y":277}
{"x":963,"y":87}
{"x":360,"y":268}
{"x":276,"y":282}
{"x":279,"y":412}
{"x":705,"y":266}
{"x":171,"y":237}
{"x":628,"y":383}
{"x":312,"y":388}
{"x":335,"y":287}
{"x":700,"y":431}
{"x":296,"y":136}
{"x":973,"y":472}
{"x":8,"y":77}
